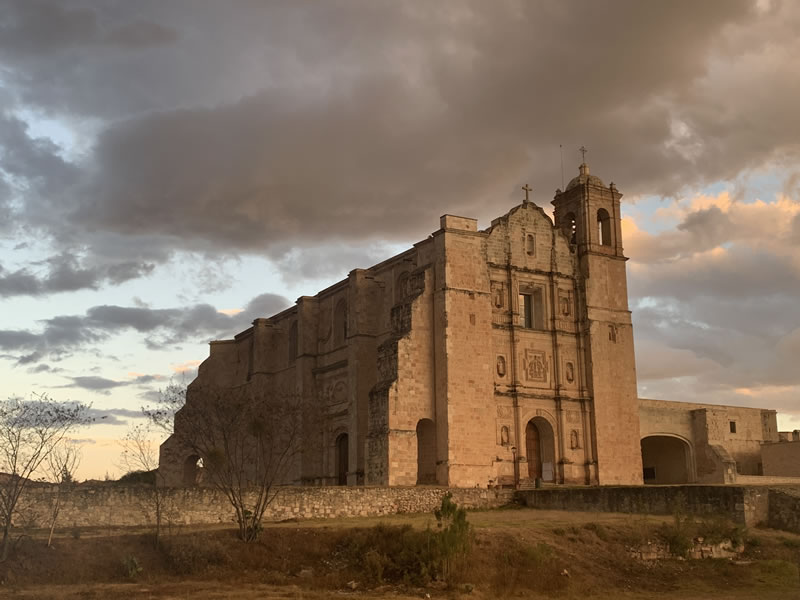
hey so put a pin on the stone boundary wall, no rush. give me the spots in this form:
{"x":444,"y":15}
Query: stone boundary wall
{"x":766,"y":480}
{"x":120,"y":506}
{"x":784,"y":509}
{"x":745,"y":505}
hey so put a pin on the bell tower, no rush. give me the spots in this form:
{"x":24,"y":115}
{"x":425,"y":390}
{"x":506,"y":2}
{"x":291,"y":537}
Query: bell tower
{"x":588,"y":212}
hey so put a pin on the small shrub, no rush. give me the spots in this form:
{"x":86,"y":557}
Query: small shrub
{"x":193,"y":554}
{"x":131,"y":567}
{"x":560,"y":531}
{"x":718,"y":528}
{"x":790,"y":543}
{"x":679,"y":535}
{"x":138,"y":478}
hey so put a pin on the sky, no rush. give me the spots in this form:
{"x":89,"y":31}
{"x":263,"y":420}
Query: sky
{"x":171,"y":170}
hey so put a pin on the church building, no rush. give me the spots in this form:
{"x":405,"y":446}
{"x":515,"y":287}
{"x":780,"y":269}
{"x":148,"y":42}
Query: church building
{"x":491,"y":357}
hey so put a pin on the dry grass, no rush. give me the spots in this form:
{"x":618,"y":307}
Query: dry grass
{"x":516,"y":553}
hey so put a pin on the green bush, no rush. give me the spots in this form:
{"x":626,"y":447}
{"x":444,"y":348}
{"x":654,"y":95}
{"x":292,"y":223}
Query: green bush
{"x":718,"y":528}
{"x":679,"y":535}
{"x":187,"y":555}
{"x":131,"y":567}
{"x":399,"y":553}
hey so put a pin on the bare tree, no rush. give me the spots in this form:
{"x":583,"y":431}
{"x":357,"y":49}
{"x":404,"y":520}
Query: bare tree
{"x":140,"y":454}
{"x":170,"y":400}
{"x":247,"y":442}
{"x":61,"y":466}
{"x":29,"y":432}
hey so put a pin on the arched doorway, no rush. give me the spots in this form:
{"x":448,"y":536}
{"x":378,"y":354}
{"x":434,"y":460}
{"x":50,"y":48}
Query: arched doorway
{"x":342,"y":458}
{"x":540,"y":449}
{"x":192,"y":470}
{"x":426,"y":452}
{"x":666,"y":459}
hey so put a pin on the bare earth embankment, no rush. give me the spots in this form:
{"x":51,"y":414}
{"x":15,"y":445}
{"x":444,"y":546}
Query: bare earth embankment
{"x":513,"y":553}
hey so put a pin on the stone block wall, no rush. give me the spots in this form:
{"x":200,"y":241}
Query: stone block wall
{"x":121,"y":506}
{"x":781,"y":459}
{"x":748,"y":506}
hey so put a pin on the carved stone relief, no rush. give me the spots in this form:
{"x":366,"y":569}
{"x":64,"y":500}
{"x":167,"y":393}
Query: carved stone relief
{"x":501,"y":365}
{"x":534,"y":365}
{"x":564,"y":304}
{"x":505,"y":435}
{"x":505,"y":411}
{"x":498,"y":294}
{"x":574,"y":439}
{"x":569,"y":372}
{"x":573,"y":416}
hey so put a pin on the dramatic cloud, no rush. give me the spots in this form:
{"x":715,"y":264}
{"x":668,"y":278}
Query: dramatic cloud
{"x":67,"y":334}
{"x":359,"y":121}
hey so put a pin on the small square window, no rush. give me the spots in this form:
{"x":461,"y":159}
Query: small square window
{"x":733,"y":426}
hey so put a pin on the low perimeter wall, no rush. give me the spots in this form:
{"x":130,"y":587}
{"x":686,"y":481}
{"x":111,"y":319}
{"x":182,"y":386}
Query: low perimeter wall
{"x":120,"y":506}
{"x":115,"y":506}
{"x":745,"y":505}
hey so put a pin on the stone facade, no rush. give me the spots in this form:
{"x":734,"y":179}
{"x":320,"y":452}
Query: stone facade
{"x":444,"y":363}
{"x":491,"y":357}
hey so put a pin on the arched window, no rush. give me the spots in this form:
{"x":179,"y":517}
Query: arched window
{"x":292,"y":345}
{"x":603,"y":227}
{"x":340,"y":324}
{"x":570,"y":227}
{"x":192,"y":470}
{"x":530,"y":245}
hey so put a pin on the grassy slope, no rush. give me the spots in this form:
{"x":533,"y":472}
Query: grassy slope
{"x":515,"y":553}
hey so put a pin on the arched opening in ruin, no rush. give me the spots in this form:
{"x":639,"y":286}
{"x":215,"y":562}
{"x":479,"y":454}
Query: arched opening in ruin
{"x":342,"y":458}
{"x":192,"y":470}
{"x":604,"y":227}
{"x":540,"y":449}
{"x":426,"y":452}
{"x":570,"y":227}
{"x":666,"y":459}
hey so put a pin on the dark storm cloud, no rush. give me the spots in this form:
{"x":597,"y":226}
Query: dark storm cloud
{"x":41,"y":27}
{"x":67,"y":334}
{"x":360,"y":121}
{"x":64,"y":273}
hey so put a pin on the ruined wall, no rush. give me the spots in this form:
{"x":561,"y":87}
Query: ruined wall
{"x":781,"y":459}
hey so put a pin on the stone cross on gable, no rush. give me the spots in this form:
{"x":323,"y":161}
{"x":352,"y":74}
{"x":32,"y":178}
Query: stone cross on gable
{"x":528,"y":189}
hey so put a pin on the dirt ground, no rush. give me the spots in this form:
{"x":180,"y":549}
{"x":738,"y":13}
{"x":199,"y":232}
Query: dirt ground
{"x":515,"y":553}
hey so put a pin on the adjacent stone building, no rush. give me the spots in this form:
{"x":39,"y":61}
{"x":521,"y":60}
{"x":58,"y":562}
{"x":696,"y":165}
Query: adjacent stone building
{"x":478,"y":358}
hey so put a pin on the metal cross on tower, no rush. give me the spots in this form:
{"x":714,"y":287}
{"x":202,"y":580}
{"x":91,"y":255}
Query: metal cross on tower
{"x":528,"y":189}
{"x":583,"y":152}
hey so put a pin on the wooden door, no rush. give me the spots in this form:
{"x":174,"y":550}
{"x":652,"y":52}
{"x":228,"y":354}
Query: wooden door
{"x":533,"y":451}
